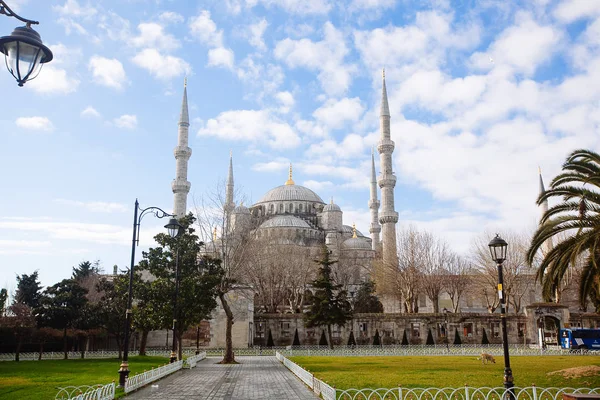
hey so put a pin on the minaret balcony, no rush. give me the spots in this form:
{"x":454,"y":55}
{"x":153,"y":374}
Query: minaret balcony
{"x":180,"y":186}
{"x":374,"y":204}
{"x":375,"y":228}
{"x":386,"y":146}
{"x":386,"y":217}
{"x":182,"y":152}
{"x":388,"y":180}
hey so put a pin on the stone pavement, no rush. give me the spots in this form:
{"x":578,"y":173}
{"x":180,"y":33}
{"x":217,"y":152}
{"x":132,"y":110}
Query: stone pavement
{"x":254,"y":378}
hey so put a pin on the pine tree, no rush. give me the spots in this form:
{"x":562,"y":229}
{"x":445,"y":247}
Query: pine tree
{"x":457,"y":337}
{"x":484,"y":338}
{"x":329,"y":303}
{"x":351,"y":340}
{"x":270,"y":340}
{"x":404,"y":339}
{"x":429,"y":341}
{"x":323,"y":340}
{"x":365,"y":300}
{"x":376,"y":339}
{"x":296,"y":341}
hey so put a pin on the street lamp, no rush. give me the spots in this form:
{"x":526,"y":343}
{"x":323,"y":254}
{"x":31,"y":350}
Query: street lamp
{"x":447,"y":332}
{"x":173,"y":228}
{"x":498,"y":248}
{"x":23,"y":50}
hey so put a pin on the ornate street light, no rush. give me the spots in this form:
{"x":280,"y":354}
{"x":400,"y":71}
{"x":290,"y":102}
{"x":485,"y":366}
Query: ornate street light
{"x":23,"y":50}
{"x":498,"y":247}
{"x":173,"y":228}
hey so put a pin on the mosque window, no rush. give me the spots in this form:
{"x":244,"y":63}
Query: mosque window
{"x":299,"y":208}
{"x":281,"y":208}
{"x":290,"y":208}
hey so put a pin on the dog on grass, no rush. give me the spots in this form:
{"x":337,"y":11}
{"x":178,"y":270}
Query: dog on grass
{"x":485,"y":358}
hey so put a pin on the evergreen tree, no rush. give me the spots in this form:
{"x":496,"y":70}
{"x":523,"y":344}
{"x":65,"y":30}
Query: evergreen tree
{"x":85,"y":269}
{"x":112,"y":306}
{"x":29,"y":290}
{"x":323,"y":340}
{"x":404,"y":339}
{"x":3,"y":300}
{"x":484,"y":338}
{"x":351,"y":340}
{"x":296,"y":341}
{"x":329,"y":304}
{"x":365,"y":300}
{"x":429,"y":341}
{"x":457,"y":337}
{"x":376,"y":338}
{"x":270,"y":340}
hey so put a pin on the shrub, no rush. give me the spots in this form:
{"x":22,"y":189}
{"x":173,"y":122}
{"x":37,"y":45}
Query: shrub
{"x":376,"y":338}
{"x":457,"y":337}
{"x":429,"y":341}
{"x":270,"y":340}
{"x":351,"y":340}
{"x":296,"y":339}
{"x":484,"y":338}
{"x":404,"y":339}
{"x":323,"y":340}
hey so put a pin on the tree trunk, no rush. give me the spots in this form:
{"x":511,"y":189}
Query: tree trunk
{"x":329,"y":336}
{"x":143,"y":342}
{"x":229,"y":356}
{"x":436,"y":304}
{"x":119,"y":346}
{"x":179,"y":347}
{"x":65,"y":343}
{"x":18,"y":349}
{"x":41,"y":351}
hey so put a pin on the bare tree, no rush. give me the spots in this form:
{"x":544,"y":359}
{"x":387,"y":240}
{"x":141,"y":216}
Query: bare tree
{"x":458,"y":279}
{"x":435,"y":268}
{"x":518,"y":277}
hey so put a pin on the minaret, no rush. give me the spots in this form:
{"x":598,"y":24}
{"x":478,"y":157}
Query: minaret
{"x":547,"y":247}
{"x":388,"y":217}
{"x":180,"y":185}
{"x":374,"y":206}
{"x":229,"y":205}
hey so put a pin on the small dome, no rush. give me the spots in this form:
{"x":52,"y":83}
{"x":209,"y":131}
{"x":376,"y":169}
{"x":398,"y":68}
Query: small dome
{"x":350,"y":230}
{"x":284,"y":221}
{"x":356,"y":244}
{"x":290,"y":193}
{"x":241,"y":209}
{"x":331,"y":207}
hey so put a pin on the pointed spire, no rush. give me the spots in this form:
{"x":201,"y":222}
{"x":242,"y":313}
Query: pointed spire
{"x":542,"y":188}
{"x":385,"y":109}
{"x":184,"y":118}
{"x":354,"y":231}
{"x":290,"y":181}
{"x":331,"y":200}
{"x":373,"y":174}
{"x":230,"y":174}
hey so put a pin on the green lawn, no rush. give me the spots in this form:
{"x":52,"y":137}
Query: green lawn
{"x":33,"y":380}
{"x":450,"y":371}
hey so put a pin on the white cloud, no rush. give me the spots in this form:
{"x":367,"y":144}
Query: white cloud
{"x":126,"y":121}
{"x":253,"y":126}
{"x":107,"y":72}
{"x":220,"y":57}
{"x":35,"y":123}
{"x":352,"y":146}
{"x":203,"y":28}
{"x":571,"y":10}
{"x":286,"y":99}
{"x":358,"y":5}
{"x":52,"y":80}
{"x":73,"y":9}
{"x":153,"y":35}
{"x":300,"y":7}
{"x":256,"y":32}
{"x":161,"y":66}
{"x":334,"y":114}
{"x":95,"y":206}
{"x":326,"y":56}
{"x":318,"y":186}
{"x":90,"y":112}
{"x":272,"y":166}
{"x":64,"y":55}
{"x":170,"y":17}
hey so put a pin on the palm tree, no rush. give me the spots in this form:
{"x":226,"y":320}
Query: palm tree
{"x":573,"y":225}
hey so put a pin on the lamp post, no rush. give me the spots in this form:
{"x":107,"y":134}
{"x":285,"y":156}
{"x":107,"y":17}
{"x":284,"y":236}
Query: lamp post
{"x":173,"y":228}
{"x":498,"y":248}
{"x":23,"y":50}
{"x":174,"y":349}
{"x":447,"y":332}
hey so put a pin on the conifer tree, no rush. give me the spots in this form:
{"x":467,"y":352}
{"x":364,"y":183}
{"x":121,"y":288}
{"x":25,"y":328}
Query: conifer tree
{"x":376,"y":338}
{"x":404,"y":339}
{"x":296,"y":341}
{"x":323,"y":340}
{"x":457,"y":337}
{"x":351,"y":340}
{"x":484,"y":338}
{"x":270,"y":340}
{"x":330,"y":305}
{"x":429,"y":341}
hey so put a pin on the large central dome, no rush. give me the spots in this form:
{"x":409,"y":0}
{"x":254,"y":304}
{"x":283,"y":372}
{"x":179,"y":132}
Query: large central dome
{"x":290,"y":193}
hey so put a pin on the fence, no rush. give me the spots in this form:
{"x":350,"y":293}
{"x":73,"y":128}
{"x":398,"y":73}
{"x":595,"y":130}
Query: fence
{"x":463,"y":393}
{"x":139,"y":380}
{"x":191,"y":361}
{"x":318,"y":386}
{"x":99,"y":392}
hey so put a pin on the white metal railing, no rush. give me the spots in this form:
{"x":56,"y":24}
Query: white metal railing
{"x":462,"y":393}
{"x":139,"y":380}
{"x":98,"y":392}
{"x":191,"y":361}
{"x":318,"y":386}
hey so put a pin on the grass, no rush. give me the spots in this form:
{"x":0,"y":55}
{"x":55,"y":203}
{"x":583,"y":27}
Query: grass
{"x":448,"y":371}
{"x":33,"y":380}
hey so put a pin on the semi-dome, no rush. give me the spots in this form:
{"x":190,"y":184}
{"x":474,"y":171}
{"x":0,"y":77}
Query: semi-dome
{"x":284,"y":221}
{"x":331,"y":207}
{"x":356,"y":243}
{"x":350,"y":230}
{"x":290,"y":193}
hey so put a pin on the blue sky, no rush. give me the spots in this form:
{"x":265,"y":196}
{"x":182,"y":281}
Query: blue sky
{"x":480,"y":93}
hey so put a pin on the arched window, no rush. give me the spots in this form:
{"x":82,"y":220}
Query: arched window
{"x":290,"y":208}
{"x":271,"y":211}
{"x":281,"y":208}
{"x":299,"y":208}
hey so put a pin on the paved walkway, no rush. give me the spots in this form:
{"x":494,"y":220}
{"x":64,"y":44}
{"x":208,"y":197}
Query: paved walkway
{"x":253,"y":379}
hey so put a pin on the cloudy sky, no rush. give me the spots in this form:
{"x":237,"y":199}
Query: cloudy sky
{"x":481,"y":93}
